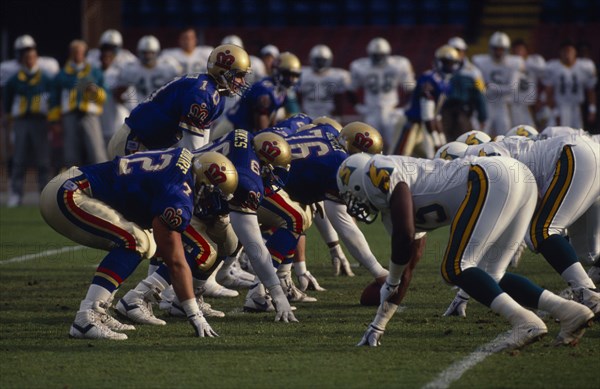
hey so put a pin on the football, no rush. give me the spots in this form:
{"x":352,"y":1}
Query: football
{"x":370,"y":294}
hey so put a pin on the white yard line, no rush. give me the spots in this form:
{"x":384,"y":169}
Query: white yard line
{"x":42,"y":254}
{"x":457,"y":369}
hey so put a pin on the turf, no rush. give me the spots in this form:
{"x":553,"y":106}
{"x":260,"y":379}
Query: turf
{"x":39,"y":297}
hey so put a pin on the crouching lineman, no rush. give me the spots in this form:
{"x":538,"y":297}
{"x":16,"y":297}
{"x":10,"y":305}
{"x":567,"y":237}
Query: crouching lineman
{"x":113,"y":205}
{"x":568,"y":179}
{"x":261,"y":161}
{"x":488,"y":210}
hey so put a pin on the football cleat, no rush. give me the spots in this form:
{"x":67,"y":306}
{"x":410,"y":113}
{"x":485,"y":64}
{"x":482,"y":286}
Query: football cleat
{"x":371,"y":337}
{"x":308,"y":281}
{"x":574,"y":319}
{"x":101,"y":308}
{"x":174,"y":309}
{"x":594,"y":274}
{"x":135,"y":308}
{"x":213,"y":289}
{"x":234,"y":277}
{"x":292,"y":293}
{"x":257,"y":300}
{"x":589,"y":298}
{"x":458,"y":307}
{"x":523,"y":334}
{"x":88,"y":325}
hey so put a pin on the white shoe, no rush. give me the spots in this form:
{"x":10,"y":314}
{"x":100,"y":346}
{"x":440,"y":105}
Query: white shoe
{"x":589,"y":298}
{"x":308,"y":281}
{"x":174,"y":309}
{"x":257,"y":300}
{"x":293,"y":294}
{"x":574,"y":319}
{"x":594,"y":274}
{"x":526,"y":332}
{"x":113,"y":324}
{"x":88,"y":325}
{"x":14,"y":200}
{"x":233,"y":278}
{"x":458,"y":307}
{"x":212,"y":288}
{"x":134,"y":307}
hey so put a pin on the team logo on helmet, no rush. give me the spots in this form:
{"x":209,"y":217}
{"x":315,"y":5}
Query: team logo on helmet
{"x":380,"y":177}
{"x":472,"y":140}
{"x":522,"y":131}
{"x":362,"y":141}
{"x":345,"y":173}
{"x":215,"y":175}
{"x":269,"y":150}
{"x":225,"y":59}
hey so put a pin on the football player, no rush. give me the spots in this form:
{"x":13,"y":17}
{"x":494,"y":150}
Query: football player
{"x":111,"y":40}
{"x":323,"y":87}
{"x":147,"y":74}
{"x":501,"y":72}
{"x":48,"y":65}
{"x":257,"y":109}
{"x":524,"y":106}
{"x":114,"y":205}
{"x":181,"y":111}
{"x":424,"y":127}
{"x":466,"y":67}
{"x":192,"y":57}
{"x":381,"y":76}
{"x":487,"y":209}
{"x":567,"y":82}
{"x":568,"y":179}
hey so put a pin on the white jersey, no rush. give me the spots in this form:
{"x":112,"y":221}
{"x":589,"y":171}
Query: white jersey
{"x":145,"y":80}
{"x":570,"y":83}
{"x":114,"y":113}
{"x":319,"y":88}
{"x":194,"y":62}
{"x":528,"y":84}
{"x":123,"y":58}
{"x":381,"y":82}
{"x":501,"y":78}
{"x":558,"y":131}
{"x":48,"y":65}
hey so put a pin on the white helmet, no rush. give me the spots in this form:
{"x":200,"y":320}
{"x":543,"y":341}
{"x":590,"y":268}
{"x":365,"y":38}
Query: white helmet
{"x":271,"y":50}
{"x":452,"y":150}
{"x":499,"y":40}
{"x":148,"y":48}
{"x":112,"y":38}
{"x":350,"y":181}
{"x":378,"y":50}
{"x":474,"y":138}
{"x":24,"y":42}
{"x":523,"y":130}
{"x":458,"y":43}
{"x":232,"y":40}
{"x":320,"y":57}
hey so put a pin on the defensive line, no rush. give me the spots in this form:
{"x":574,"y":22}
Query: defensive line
{"x":41,"y":254}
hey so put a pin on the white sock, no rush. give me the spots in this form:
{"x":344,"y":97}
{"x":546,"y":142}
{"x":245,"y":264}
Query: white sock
{"x":152,"y":268}
{"x":576,"y":276}
{"x":504,"y":305}
{"x":284,"y":269}
{"x":462,"y":294}
{"x":94,"y":293}
{"x":552,"y":303}
{"x":395,"y":274}
{"x":154,"y":281}
{"x":384,"y":314}
{"x":300,"y":268}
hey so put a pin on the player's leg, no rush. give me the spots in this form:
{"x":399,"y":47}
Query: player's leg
{"x":331,"y":238}
{"x":92,"y":139}
{"x":19,"y":168}
{"x":574,"y":187}
{"x":231,"y":274}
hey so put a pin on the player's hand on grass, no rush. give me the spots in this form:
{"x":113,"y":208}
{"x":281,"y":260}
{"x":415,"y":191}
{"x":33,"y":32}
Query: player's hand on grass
{"x":372,"y":337}
{"x":201,"y":326}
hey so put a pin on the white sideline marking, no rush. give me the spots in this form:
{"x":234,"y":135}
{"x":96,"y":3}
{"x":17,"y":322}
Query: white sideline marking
{"x":457,"y":369}
{"x":42,"y":254}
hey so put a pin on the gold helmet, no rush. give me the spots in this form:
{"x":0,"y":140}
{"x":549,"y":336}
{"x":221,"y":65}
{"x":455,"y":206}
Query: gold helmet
{"x":359,"y":137}
{"x":327,"y":120}
{"x":275,"y":156}
{"x":214,"y":174}
{"x":287,"y":69}
{"x":225,"y":64}
{"x":447,"y":59}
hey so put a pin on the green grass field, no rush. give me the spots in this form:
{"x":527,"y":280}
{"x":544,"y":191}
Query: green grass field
{"x":39,"y":298}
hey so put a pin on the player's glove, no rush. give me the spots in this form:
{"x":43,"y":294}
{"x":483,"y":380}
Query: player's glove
{"x":283,"y":310}
{"x":458,"y":307}
{"x":201,"y":326}
{"x":372,"y":337}
{"x":308,"y":281}
{"x":340,"y":263}
{"x":386,"y":291}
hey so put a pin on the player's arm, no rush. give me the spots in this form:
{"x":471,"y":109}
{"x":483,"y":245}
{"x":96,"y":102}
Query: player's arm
{"x":262,"y":112}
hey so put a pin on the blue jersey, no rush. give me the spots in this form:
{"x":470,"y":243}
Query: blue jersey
{"x":146,"y":185}
{"x":190,"y":103}
{"x":430,"y":85}
{"x":316,"y":157}
{"x":263,"y":97}
{"x":237,"y":146}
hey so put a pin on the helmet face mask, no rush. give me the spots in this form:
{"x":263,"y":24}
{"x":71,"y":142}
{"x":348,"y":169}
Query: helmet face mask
{"x":352,"y":191}
{"x":229,"y":65}
{"x":148,"y":48}
{"x":320,"y":58}
{"x":287,"y":70}
{"x":447,"y":59}
{"x":275,"y":156}
{"x":216,"y":180}
{"x":379,"y":50}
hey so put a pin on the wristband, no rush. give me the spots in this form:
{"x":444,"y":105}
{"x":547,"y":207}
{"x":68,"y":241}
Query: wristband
{"x":190,"y":307}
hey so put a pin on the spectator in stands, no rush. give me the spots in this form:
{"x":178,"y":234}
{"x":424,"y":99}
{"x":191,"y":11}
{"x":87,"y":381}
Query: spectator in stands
{"x":568,"y":81}
{"x":78,"y":97}
{"x":25,"y":99}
